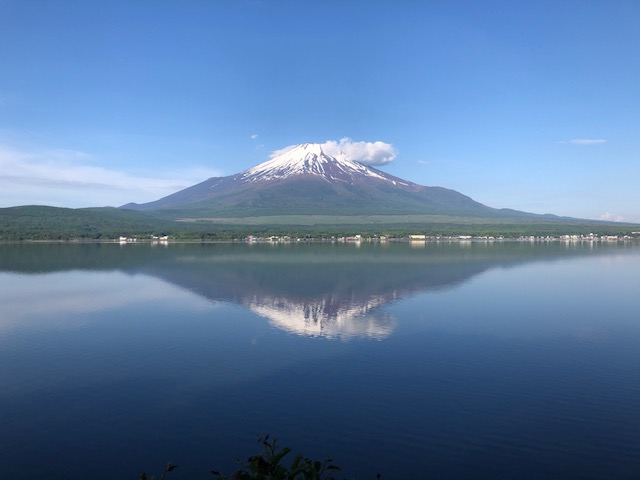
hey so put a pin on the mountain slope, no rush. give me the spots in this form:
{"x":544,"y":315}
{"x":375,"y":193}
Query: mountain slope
{"x":306,"y":180}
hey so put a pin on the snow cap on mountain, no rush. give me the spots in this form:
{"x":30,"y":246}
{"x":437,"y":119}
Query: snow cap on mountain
{"x":309,"y":158}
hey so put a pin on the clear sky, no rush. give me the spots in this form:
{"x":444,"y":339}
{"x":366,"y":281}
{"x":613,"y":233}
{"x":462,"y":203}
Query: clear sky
{"x":533,"y":105}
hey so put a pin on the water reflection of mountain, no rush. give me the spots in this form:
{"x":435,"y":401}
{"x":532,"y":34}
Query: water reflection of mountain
{"x":335,"y":291}
{"x":332,"y":292}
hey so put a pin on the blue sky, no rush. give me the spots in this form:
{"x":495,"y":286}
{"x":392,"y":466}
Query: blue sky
{"x":528,"y":105}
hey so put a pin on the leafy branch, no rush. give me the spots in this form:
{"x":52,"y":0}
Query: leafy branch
{"x":268,"y":466}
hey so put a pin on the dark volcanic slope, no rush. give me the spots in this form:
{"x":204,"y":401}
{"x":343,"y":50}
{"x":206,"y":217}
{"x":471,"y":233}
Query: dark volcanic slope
{"x":305,"y":180}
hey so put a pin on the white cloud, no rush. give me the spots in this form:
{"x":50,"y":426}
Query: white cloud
{"x":586,"y":141}
{"x":254,"y":136}
{"x":368,"y":153}
{"x":69,"y":178}
{"x":610,"y":217}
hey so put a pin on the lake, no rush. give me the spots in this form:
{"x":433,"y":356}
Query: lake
{"x":467,"y":360}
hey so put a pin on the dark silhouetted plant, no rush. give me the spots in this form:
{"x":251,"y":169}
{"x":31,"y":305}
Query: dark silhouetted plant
{"x":170,"y":467}
{"x":268,"y":466}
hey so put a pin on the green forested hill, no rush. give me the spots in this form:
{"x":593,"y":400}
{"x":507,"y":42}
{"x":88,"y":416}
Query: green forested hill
{"x":51,"y":223}
{"x":36,"y":222}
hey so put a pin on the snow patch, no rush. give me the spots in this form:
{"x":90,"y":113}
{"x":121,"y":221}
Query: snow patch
{"x":309,"y":158}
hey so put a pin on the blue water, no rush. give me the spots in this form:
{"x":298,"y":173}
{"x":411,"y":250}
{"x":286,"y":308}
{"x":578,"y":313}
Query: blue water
{"x":465,"y":361}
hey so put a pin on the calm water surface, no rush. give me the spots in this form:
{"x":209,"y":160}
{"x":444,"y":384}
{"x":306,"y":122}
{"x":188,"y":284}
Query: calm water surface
{"x":463,"y":361}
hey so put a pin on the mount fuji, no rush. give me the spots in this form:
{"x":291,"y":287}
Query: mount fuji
{"x":304,"y":179}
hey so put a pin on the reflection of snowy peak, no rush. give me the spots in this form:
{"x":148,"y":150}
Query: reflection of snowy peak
{"x":311,"y":159}
{"x":327,"y":317}
{"x":321,"y":290}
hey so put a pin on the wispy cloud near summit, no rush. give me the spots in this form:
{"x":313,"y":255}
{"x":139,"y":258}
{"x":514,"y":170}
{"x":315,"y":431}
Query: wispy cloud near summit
{"x":586,"y":141}
{"x":367,"y":153}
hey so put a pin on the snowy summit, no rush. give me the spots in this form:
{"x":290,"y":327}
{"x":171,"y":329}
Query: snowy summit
{"x":310,"y":159}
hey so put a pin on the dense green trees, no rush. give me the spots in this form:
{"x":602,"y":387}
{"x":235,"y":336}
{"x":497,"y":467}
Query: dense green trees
{"x":51,"y":223}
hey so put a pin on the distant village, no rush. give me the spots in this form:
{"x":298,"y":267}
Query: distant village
{"x":591,"y":237}
{"x":413,"y":239}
